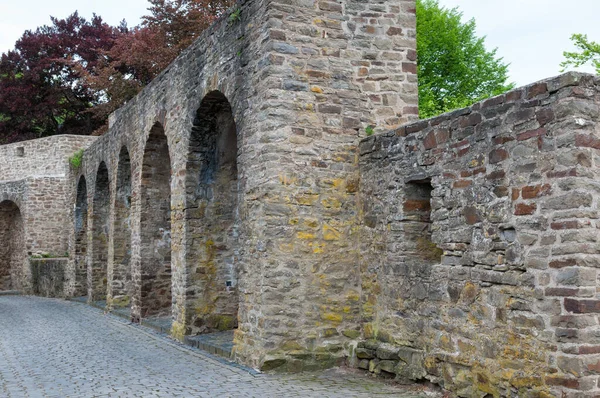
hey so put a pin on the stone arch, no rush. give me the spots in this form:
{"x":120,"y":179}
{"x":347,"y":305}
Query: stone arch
{"x":13,"y":251}
{"x":212,"y":215}
{"x":155,"y":230}
{"x":100,"y":232}
{"x":81,"y":227}
{"x":121,"y":280}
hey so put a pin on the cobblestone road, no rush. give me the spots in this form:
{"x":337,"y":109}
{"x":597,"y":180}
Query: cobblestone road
{"x":55,"y":348}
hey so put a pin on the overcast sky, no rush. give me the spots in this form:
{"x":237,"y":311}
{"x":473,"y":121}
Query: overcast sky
{"x":529,"y":34}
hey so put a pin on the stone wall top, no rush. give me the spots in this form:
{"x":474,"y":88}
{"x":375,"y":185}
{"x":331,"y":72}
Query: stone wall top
{"x":476,"y":118}
{"x":42,"y":157}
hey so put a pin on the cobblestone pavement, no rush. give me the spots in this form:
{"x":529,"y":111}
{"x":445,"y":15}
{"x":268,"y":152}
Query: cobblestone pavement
{"x":56,"y":348}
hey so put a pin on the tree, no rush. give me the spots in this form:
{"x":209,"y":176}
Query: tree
{"x":182,"y":21}
{"x":454,"y":68}
{"x":141,"y":53}
{"x":589,"y":51}
{"x":69,"y":76}
{"x":41,"y":91}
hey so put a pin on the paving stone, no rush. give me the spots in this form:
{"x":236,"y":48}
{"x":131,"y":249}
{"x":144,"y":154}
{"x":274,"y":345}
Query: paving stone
{"x":55,"y":348}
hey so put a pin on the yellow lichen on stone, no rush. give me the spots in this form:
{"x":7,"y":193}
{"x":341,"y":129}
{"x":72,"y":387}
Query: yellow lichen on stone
{"x":339,"y":183}
{"x":305,"y":235}
{"x":178,"y":331}
{"x":287,"y":180}
{"x":369,"y":331}
{"x":120,"y":301}
{"x":311,"y":222}
{"x":316,"y":89}
{"x":307,"y":199}
{"x":291,"y":345}
{"x":332,"y":317}
{"x":352,"y":295}
{"x":331,"y":202}
{"x":286,"y":247}
{"x":318,"y":248}
{"x":330,"y":233}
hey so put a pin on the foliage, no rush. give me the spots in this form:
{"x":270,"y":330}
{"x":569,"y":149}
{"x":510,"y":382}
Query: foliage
{"x":76,"y":159}
{"x":182,"y":21}
{"x":41,"y":91}
{"x":454,"y":68}
{"x":235,"y":15}
{"x":141,"y":53}
{"x":369,"y":130}
{"x":49,"y":255}
{"x":589,"y":51}
{"x":69,"y":76}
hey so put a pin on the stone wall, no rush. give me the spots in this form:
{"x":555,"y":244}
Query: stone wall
{"x":233,"y":193}
{"x":335,"y":68}
{"x":39,"y":158}
{"x":241,"y":203}
{"x":498,"y":293}
{"x":33,"y":195}
{"x":48,"y":276}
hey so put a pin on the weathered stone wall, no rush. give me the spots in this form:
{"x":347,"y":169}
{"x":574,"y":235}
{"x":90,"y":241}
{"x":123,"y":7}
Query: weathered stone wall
{"x":48,"y":276}
{"x":334,"y":68}
{"x":231,"y":193}
{"x":39,"y":158}
{"x":499,"y":296}
{"x":33,"y":182}
{"x":268,"y":242}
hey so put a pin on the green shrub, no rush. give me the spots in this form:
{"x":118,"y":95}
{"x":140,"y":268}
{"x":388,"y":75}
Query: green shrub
{"x":76,"y":159}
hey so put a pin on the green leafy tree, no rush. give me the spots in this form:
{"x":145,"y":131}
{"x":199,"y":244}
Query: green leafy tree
{"x":589,"y":52}
{"x":455,"y":70}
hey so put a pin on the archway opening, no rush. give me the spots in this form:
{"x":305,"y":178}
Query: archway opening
{"x":213,"y":218}
{"x":156,"y":226}
{"x":81,"y":227}
{"x":121,"y":281}
{"x":100,"y":234}
{"x":13,"y":252}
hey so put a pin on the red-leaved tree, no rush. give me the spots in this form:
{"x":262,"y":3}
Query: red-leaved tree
{"x":41,"y":91}
{"x":68,"y":77}
{"x":140,"y":54}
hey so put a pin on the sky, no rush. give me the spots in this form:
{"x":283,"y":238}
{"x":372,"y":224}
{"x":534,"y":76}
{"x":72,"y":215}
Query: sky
{"x":17,"y":16}
{"x":531,"y":35}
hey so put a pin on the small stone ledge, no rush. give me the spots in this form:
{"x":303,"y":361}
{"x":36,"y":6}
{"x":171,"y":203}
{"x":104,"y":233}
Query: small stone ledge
{"x":404,"y":364}
{"x":10,"y":293}
{"x":48,"y":276}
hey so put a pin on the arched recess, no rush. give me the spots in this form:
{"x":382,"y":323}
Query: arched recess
{"x":121,"y":282}
{"x":156,"y":226}
{"x":212,"y":190}
{"x":81,"y":227}
{"x":100,"y":232}
{"x":13,"y":252}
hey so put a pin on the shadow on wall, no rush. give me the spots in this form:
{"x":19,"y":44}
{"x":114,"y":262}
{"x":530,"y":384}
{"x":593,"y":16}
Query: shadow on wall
{"x":13,"y":252}
{"x":81,"y":223}
{"x":100,"y":235}
{"x":156,"y":226}
{"x":212,"y":190}
{"x":122,"y":289}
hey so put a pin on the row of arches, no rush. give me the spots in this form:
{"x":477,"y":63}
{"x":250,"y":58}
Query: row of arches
{"x":211,"y":215}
